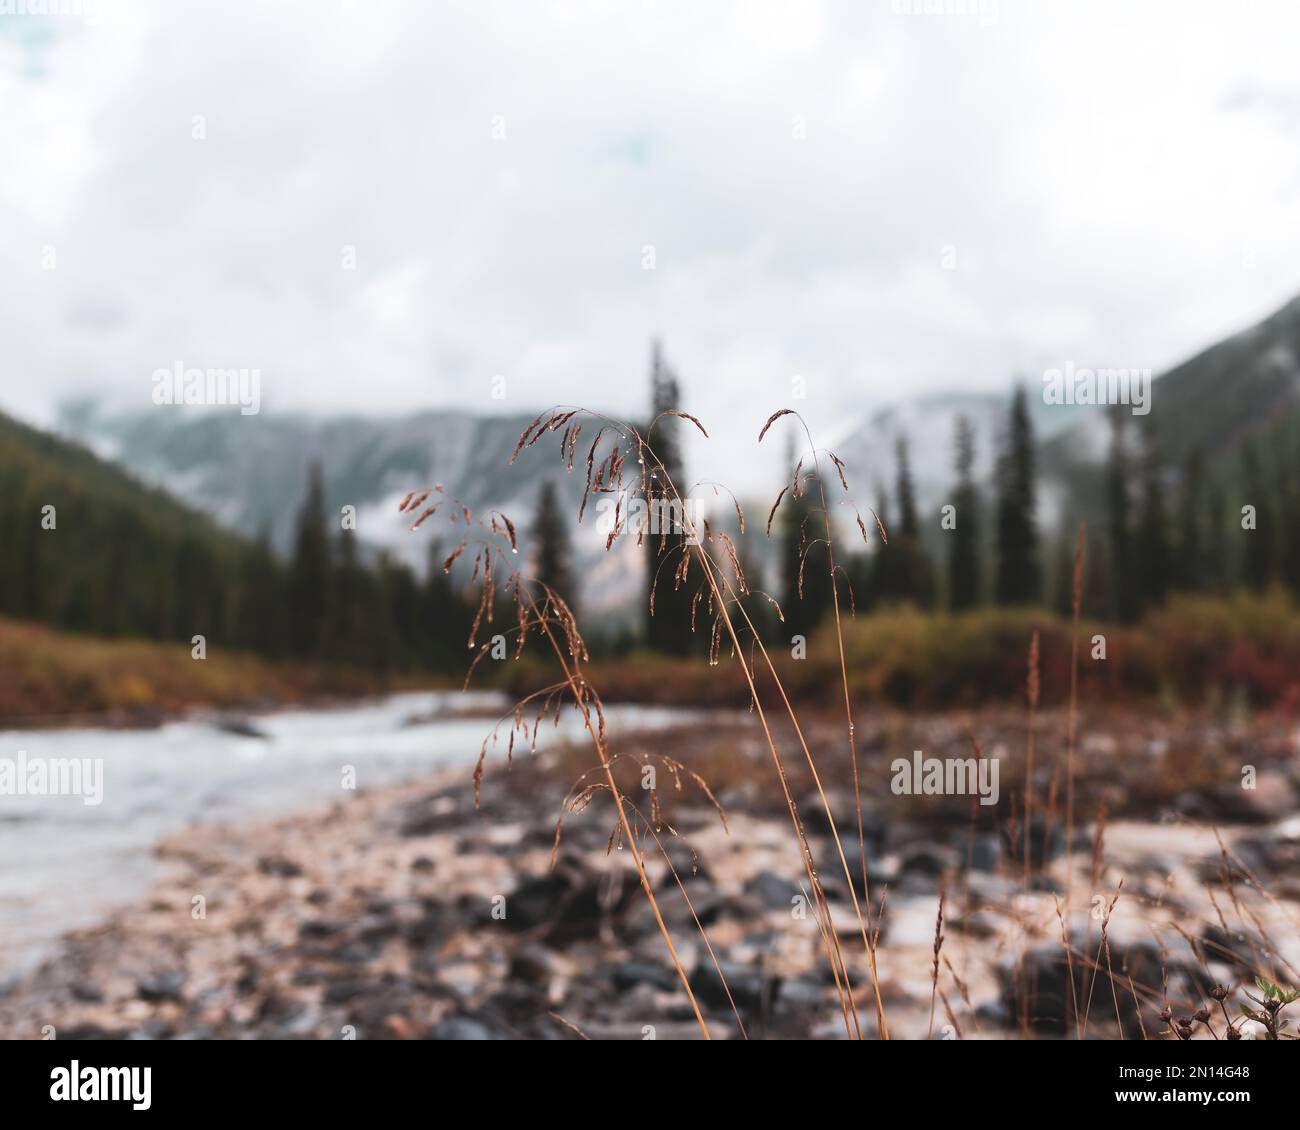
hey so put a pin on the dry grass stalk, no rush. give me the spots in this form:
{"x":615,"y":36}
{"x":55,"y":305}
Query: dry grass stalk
{"x":1105,"y":945}
{"x":721,"y":597}
{"x":1072,"y":717}
{"x":708,"y":945}
{"x":1137,"y":1008}
{"x":553,"y":618}
{"x":569,"y":1025}
{"x":1032,"y":688}
{"x":934,"y":971}
{"x":848,"y":704}
{"x":948,"y":1012}
{"x":714,"y":564}
{"x":1069,"y":964}
{"x":1097,"y":862}
{"x":655,"y":482}
{"x":1032,"y":685}
{"x":964,"y":990}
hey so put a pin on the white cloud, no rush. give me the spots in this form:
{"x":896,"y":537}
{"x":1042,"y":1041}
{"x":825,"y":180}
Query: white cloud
{"x":1117,"y":183}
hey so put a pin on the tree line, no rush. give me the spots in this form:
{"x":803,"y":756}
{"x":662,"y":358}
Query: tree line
{"x":1158,"y":525}
{"x":115,"y":558}
{"x":86,"y":548}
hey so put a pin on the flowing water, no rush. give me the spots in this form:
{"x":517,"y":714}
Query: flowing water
{"x":66,"y":862}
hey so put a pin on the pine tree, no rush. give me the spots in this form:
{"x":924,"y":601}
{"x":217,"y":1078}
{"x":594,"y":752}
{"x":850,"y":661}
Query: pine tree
{"x":14,"y":533}
{"x":196,"y":577}
{"x":859,"y":573}
{"x":309,"y":573}
{"x":668,"y":629}
{"x":963,"y":554}
{"x":1191,"y":567}
{"x":804,"y":600}
{"x":1290,"y":507}
{"x":757,"y":607}
{"x":1155,"y":560}
{"x":1018,"y":572}
{"x":260,"y":614}
{"x":880,"y":566}
{"x":908,"y":524}
{"x":914,"y":578}
{"x":1124,"y":588}
{"x":1217,"y":566}
{"x":35,"y":569}
{"x":353,"y":610}
{"x":384,"y":635}
{"x":445,"y":615}
{"x":1260,"y":545}
{"x":552,"y":545}
{"x":402,"y":598}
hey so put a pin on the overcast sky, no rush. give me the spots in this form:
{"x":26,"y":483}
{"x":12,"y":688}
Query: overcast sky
{"x":881,"y":202}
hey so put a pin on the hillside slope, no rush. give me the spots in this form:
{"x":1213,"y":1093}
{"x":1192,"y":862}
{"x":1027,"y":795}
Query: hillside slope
{"x":113,"y":556}
{"x":250,"y":472}
{"x":1242,"y":389}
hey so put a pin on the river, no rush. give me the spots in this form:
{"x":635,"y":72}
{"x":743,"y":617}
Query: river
{"x":65,"y":862}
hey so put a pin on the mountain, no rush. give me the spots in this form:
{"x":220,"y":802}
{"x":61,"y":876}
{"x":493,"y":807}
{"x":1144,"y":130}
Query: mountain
{"x":1241,"y":387}
{"x":86,"y":546}
{"x":928,"y":424}
{"x":250,"y":473}
{"x":1247,"y":385}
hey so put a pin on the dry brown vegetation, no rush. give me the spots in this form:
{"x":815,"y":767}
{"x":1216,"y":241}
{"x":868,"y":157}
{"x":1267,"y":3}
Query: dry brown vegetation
{"x":48,"y":676}
{"x":815,"y":775}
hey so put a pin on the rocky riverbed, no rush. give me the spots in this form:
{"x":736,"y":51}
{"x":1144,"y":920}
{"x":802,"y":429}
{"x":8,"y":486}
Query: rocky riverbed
{"x":409,"y":913}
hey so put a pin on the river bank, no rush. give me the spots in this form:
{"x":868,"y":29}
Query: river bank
{"x":156,"y":783}
{"x":51,"y":679}
{"x":406,"y":912}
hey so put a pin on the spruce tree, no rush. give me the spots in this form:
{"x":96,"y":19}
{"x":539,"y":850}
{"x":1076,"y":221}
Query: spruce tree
{"x":1124,"y":586}
{"x":1155,"y":560}
{"x":909,"y":527}
{"x":963,"y":541}
{"x":913,"y":575}
{"x":446,"y":615}
{"x":1260,"y":545}
{"x":551,"y":539}
{"x":309,"y":573}
{"x":803,"y":543}
{"x":1289,"y":504}
{"x":669,"y":628}
{"x":1217,"y":564}
{"x":352,"y":609}
{"x":1018,"y":571}
{"x":882,"y":563}
{"x":1191,"y":568}
{"x":260,"y":611}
